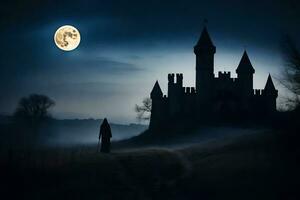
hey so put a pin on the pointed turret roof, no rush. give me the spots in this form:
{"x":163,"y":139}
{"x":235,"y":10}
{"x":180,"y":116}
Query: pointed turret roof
{"x":156,"y":91}
{"x":245,"y":64}
{"x":205,"y":39}
{"x":270,"y":85}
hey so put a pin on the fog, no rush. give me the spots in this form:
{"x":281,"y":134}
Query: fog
{"x":83,"y":132}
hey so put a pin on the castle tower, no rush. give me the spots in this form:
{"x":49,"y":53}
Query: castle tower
{"x":157,"y":106}
{"x":245,"y":73}
{"x":270,"y":94}
{"x":204,"y":51}
{"x":175,"y":94}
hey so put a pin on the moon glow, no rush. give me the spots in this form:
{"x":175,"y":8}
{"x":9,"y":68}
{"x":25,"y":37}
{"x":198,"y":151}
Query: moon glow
{"x":67,"y":38}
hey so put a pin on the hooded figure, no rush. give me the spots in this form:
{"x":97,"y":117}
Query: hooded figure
{"x":105,"y":135}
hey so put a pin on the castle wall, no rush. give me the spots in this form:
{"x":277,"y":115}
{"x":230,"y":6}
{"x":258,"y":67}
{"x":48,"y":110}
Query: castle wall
{"x":189,"y":101}
{"x":224,"y":82}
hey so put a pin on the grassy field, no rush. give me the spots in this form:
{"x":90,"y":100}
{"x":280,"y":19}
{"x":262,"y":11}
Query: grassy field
{"x":254,"y":166}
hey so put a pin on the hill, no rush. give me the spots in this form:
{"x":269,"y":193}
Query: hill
{"x":261,"y":165}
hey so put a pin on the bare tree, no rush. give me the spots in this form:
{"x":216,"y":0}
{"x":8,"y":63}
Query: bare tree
{"x":144,"y":111}
{"x":291,"y":73}
{"x":35,"y":107}
{"x":30,"y":114}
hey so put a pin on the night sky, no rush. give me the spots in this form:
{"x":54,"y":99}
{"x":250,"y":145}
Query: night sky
{"x":127,"y":45}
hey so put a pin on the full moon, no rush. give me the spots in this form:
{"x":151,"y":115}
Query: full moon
{"x":67,"y":38}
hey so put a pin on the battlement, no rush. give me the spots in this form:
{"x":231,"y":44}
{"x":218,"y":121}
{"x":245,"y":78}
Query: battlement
{"x":224,"y":75}
{"x":257,"y":92}
{"x":179,"y":78}
{"x":171,"y":78}
{"x":189,"y":90}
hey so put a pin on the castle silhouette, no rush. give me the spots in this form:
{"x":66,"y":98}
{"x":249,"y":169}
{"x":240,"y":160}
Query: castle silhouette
{"x":214,"y":98}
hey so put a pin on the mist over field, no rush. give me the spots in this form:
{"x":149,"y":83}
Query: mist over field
{"x":84,"y":132}
{"x":68,"y":132}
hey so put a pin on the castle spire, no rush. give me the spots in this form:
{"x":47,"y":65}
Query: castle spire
{"x":270,"y":85}
{"x":156,"y":91}
{"x":205,"y":40}
{"x":245,"y":65}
